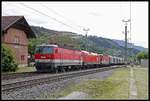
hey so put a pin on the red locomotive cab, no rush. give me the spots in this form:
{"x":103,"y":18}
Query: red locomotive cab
{"x":44,"y":52}
{"x":44,"y":56}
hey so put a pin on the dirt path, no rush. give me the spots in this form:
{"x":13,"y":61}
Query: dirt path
{"x":76,"y":95}
{"x":133,"y":89}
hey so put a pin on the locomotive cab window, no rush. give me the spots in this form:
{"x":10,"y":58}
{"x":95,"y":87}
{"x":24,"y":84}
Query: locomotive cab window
{"x":44,"y":50}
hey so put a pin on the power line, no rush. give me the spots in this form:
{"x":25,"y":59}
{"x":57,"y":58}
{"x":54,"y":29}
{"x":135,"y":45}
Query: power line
{"x":61,"y":15}
{"x":47,"y":16}
{"x":20,"y":6}
{"x":39,"y":12}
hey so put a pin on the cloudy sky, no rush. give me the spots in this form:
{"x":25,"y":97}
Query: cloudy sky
{"x":102,"y":18}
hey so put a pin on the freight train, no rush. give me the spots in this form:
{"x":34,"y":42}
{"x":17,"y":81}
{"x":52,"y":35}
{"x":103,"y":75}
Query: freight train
{"x":49,"y":58}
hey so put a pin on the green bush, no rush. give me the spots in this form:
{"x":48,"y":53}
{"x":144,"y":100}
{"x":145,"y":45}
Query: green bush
{"x":8,"y":63}
{"x":142,"y":55}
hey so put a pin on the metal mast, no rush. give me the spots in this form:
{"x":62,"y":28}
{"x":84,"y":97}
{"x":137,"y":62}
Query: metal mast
{"x":125,"y":53}
{"x":86,"y":32}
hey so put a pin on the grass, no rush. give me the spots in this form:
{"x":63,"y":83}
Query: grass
{"x":26,"y":69}
{"x":23,"y":69}
{"x":117,"y":86}
{"x":141,"y":79}
{"x":114,"y":87}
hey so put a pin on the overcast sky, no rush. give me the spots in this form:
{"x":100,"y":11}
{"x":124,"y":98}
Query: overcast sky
{"x":102,"y":18}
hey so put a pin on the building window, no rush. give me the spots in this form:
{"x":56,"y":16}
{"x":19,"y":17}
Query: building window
{"x":16,"y":42}
{"x":22,"y":57}
{"x":16,"y":46}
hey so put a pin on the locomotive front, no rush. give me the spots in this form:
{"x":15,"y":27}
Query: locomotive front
{"x":44,"y":58}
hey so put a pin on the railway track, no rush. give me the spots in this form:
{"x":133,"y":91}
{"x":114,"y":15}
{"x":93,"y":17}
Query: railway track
{"x":8,"y":76}
{"x":53,"y":78}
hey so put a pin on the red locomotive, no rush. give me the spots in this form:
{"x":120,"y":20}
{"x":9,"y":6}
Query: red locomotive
{"x":53,"y":58}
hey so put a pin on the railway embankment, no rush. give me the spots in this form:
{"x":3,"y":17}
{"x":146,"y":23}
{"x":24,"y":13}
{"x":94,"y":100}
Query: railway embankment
{"x":124,"y":83}
{"x":43,"y":91}
{"x":110,"y":84}
{"x":115,"y":86}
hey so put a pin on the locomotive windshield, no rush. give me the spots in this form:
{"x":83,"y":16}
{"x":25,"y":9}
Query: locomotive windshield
{"x":44,"y":50}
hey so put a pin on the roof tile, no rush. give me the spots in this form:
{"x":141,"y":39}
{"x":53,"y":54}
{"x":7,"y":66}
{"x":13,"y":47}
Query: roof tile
{"x":8,"y":20}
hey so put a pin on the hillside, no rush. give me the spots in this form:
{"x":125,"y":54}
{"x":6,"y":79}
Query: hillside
{"x":121,"y":43}
{"x":40,"y":30}
{"x":75,"y":41}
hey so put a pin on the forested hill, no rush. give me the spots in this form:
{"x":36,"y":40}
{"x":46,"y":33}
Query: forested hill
{"x":75,"y":41}
{"x":121,"y":43}
{"x":41,"y":30}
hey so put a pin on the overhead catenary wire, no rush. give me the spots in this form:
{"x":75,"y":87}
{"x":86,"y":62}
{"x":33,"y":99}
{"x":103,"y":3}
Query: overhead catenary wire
{"x":39,"y":13}
{"x":51,"y":17}
{"x":48,"y":16}
{"x":20,"y":6}
{"x":61,"y":15}
{"x":67,"y":20}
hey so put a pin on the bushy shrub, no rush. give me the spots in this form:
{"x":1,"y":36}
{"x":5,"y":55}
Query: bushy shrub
{"x":8,"y":63}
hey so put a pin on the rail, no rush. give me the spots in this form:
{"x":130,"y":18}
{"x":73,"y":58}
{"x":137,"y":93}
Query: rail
{"x":52,"y":78}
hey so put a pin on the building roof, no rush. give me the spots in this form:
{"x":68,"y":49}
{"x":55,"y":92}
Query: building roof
{"x":18,"y":22}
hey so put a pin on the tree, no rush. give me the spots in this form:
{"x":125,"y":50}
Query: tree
{"x":8,"y":63}
{"x":142,"y":55}
{"x":36,"y":41}
{"x":146,"y":55}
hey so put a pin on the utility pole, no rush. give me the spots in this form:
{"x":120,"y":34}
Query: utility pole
{"x":125,"y":53}
{"x":86,"y":32}
{"x":132,"y":60}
